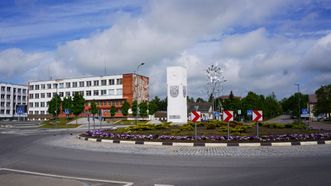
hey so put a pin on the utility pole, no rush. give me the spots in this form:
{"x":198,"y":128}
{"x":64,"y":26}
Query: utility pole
{"x":136,"y":89}
{"x":299,"y":113}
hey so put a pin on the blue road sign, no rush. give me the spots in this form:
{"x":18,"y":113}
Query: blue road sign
{"x":249,"y":112}
{"x":304,"y":111}
{"x":20,"y":109}
{"x":67,"y":111}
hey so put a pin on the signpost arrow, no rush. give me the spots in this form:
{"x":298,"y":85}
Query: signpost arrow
{"x":227,"y":115}
{"x":195,"y":116}
{"x":257,"y":115}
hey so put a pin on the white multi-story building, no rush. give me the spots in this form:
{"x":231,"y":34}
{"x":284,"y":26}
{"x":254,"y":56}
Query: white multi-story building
{"x":107,"y":91}
{"x":12,"y":95}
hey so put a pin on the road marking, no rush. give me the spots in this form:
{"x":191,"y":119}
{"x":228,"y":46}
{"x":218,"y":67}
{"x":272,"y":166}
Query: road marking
{"x":279,"y":144}
{"x":249,"y":144}
{"x":328,"y":142}
{"x":215,"y":144}
{"x":308,"y":143}
{"x":182,"y":144}
{"x":68,"y":177}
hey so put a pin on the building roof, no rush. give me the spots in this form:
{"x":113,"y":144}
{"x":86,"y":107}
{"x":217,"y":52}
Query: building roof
{"x":312,"y":99}
{"x":202,"y":107}
{"x":228,"y":97}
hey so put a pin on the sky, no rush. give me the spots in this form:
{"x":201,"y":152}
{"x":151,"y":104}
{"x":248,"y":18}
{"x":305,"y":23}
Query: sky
{"x":262,"y":46}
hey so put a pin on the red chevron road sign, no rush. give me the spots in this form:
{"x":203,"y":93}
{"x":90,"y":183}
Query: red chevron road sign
{"x":257,"y":115}
{"x":228,"y":115}
{"x":195,"y":116}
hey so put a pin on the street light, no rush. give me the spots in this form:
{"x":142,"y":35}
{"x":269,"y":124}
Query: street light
{"x":136,"y":89}
{"x":297,"y":84}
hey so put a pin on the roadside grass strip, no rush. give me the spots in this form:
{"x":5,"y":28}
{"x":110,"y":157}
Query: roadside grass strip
{"x":68,"y":177}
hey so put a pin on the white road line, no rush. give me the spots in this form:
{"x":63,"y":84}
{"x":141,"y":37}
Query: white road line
{"x":68,"y":177}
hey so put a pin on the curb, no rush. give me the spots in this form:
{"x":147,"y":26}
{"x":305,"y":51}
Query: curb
{"x":202,"y":144}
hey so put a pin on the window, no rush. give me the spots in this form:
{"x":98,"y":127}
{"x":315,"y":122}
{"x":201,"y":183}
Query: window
{"x":103,"y":92}
{"x":42,"y":95}
{"x":31,"y":96}
{"x":36,"y":104}
{"x":3,"y":88}
{"x":30,"y":104}
{"x":55,"y":85}
{"x":24,"y":91}
{"x":14,"y":90}
{"x":61,"y":85}
{"x":8,"y":96}
{"x":36,"y":87}
{"x":81,"y":84}
{"x":42,"y":112}
{"x":88,"y":83}
{"x":36,"y":112}
{"x":8,"y":89}
{"x":7,"y":111}
{"x":74,"y":84}
{"x":67,"y":94}
{"x":81,"y":93}
{"x":31,"y":87}
{"x":119,"y":91}
{"x":54,"y":94}
{"x":118,"y":81}
{"x":111,"y":92}
{"x":103,"y":82}
{"x":42,"y":104}
{"x":2,"y":104}
{"x":111,"y":82}
{"x":24,"y":98}
{"x":30,"y":112}
{"x":43,"y":86}
{"x":19,"y":90}
{"x":36,"y":96}
{"x":19,"y":97}
{"x":49,"y":95}
{"x":68,"y":84}
{"x":61,"y":94}
{"x":88,"y":93}
{"x":95,"y":92}
{"x":49,"y":86}
{"x":96,"y":83}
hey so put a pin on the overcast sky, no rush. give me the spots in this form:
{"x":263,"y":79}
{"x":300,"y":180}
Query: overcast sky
{"x":263,"y":46}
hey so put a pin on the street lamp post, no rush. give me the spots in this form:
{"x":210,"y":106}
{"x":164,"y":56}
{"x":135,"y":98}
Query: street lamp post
{"x":136,"y":89}
{"x":299,"y":115}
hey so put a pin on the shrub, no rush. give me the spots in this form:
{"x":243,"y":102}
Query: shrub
{"x":162,"y":126}
{"x":210,"y":126}
{"x":186,"y":127}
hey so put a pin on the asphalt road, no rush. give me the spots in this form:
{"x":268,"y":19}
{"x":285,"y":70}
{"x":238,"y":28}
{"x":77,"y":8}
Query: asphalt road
{"x":27,"y":152}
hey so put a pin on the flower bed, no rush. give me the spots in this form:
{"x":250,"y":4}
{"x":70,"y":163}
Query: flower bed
{"x":214,"y":138}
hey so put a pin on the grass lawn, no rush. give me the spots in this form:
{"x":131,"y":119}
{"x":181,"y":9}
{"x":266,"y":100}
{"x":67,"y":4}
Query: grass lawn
{"x":58,"y":123}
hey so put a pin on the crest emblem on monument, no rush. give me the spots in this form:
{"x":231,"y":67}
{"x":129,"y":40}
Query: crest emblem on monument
{"x":174,"y":90}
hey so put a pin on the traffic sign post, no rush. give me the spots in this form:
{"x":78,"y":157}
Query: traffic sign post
{"x":195,"y":116}
{"x":257,"y":116}
{"x":227,"y":117}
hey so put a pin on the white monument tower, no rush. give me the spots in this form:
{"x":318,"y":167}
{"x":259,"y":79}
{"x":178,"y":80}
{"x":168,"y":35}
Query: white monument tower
{"x":177,"y":92}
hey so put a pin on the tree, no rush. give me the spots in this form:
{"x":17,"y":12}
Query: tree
{"x":134,"y":108}
{"x":125,"y":108}
{"x":67,"y":104}
{"x":143,"y":109}
{"x":112,"y":111}
{"x":78,"y":104}
{"x":200,"y":100}
{"x":94,"y":111}
{"x":54,"y":105}
{"x":323,"y":105}
{"x":152,"y":107}
{"x":163,"y":104}
{"x":291,"y":105}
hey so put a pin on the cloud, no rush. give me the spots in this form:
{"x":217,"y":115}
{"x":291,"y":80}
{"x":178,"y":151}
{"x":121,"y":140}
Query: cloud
{"x":318,"y":57}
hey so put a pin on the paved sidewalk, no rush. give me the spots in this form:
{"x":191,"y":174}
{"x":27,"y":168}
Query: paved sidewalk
{"x":319,"y":125}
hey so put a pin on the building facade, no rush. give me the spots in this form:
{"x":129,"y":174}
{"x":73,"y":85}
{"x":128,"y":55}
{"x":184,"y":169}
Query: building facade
{"x":11,"y":96}
{"x":107,"y":91}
